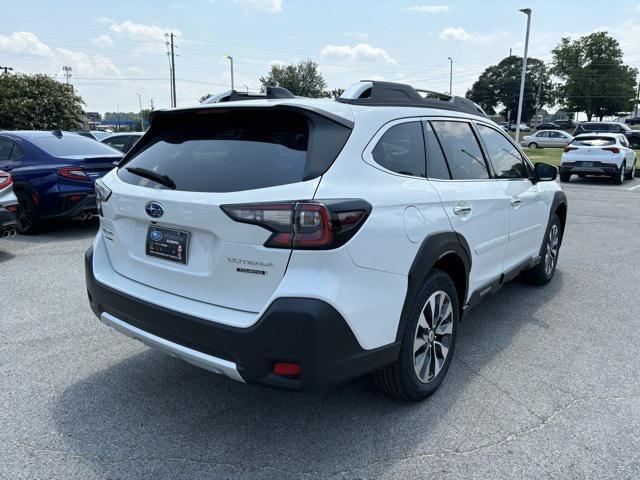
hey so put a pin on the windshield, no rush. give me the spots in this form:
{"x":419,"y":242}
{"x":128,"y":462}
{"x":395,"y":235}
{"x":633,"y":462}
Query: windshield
{"x":67,"y":145}
{"x":594,"y":141}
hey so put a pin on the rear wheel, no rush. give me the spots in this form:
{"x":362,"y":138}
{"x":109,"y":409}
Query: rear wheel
{"x":428,"y":342}
{"x":618,"y":178}
{"x":632,"y":173}
{"x":28,"y":216}
{"x":542,"y":273}
{"x":565,"y":177}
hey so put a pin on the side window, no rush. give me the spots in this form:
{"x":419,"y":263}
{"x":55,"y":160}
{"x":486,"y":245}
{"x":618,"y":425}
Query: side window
{"x":436,"y":163}
{"x":5,"y":148}
{"x":120,"y":142}
{"x":505,"y":158}
{"x":16,"y":153}
{"x":624,"y":141}
{"x":461,"y":150}
{"x":401,"y":149}
{"x":542,"y":134}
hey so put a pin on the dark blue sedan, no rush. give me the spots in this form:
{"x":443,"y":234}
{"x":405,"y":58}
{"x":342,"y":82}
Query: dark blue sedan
{"x":54,"y":173}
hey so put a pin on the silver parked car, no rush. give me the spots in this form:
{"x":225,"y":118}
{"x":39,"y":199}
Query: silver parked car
{"x":8,"y":206}
{"x":547,"y":138}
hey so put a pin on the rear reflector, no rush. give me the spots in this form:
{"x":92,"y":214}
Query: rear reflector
{"x":304,"y":224}
{"x":286,"y":369}
{"x":12,"y":208}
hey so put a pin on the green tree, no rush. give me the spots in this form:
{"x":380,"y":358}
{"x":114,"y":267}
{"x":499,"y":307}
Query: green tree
{"x":302,"y":79}
{"x":592,"y":76}
{"x":38,"y":102}
{"x":500,"y":84}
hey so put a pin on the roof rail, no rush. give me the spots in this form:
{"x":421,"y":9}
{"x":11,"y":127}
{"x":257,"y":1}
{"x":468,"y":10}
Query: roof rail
{"x":374,"y":93}
{"x":234,"y":95}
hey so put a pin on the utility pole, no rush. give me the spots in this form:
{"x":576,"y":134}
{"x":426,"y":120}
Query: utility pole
{"x":67,"y":75}
{"x":141,"y":121}
{"x":151,"y":104}
{"x":169,"y":37}
{"x":538,"y":102}
{"x":230,"y":58}
{"x":450,"y":75}
{"x":637,"y":99}
{"x":6,"y":70}
{"x":527,"y":12}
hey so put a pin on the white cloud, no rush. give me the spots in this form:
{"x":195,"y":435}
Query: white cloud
{"x":140,"y":31}
{"x":361,"y":51}
{"x":103,"y":19}
{"x":102,"y":41}
{"x":22,"y":43}
{"x":428,"y":8}
{"x":269,"y":6}
{"x":96,"y":66}
{"x":451,"y":33}
{"x":460,"y":34}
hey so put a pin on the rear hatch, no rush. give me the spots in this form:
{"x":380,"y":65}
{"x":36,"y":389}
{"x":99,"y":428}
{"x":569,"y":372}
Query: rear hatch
{"x":178,"y":239}
{"x":592,"y":151}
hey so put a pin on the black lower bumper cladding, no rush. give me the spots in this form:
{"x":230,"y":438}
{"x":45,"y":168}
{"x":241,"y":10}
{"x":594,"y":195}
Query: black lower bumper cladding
{"x":308,"y":332}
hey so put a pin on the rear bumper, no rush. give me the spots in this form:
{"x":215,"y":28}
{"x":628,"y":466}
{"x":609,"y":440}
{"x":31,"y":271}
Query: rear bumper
{"x":70,"y":208}
{"x":305,"y":331}
{"x":598,"y":168}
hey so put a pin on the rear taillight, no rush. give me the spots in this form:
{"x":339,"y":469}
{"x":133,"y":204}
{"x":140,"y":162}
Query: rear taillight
{"x":611,"y":149}
{"x":568,"y":148}
{"x":304,"y":224}
{"x":74,"y":173}
{"x":5,"y":180}
{"x":102,"y":195}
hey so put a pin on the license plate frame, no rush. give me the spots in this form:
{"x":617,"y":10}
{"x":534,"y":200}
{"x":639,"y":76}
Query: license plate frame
{"x":587,"y":164}
{"x":168,"y":244}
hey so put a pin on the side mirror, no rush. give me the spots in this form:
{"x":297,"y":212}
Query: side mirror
{"x":543,"y":172}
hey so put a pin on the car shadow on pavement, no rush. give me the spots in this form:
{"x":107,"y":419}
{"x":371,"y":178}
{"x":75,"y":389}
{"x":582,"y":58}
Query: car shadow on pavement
{"x":151,"y":414}
{"x":64,"y":228}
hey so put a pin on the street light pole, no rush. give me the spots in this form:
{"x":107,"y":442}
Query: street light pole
{"x":450,"y":75}
{"x":230,"y":58}
{"x":527,"y":12}
{"x":141,"y":121}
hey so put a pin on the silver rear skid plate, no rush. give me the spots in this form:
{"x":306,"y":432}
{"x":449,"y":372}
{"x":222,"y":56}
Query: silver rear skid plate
{"x":199,"y":359}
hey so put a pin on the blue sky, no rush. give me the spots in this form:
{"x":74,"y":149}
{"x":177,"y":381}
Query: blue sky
{"x":116,"y":49}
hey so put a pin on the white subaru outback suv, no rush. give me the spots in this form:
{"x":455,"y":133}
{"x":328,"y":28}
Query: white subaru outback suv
{"x":294,"y":243}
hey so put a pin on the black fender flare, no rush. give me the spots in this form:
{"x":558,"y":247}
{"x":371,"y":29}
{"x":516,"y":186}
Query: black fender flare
{"x":559,"y":199}
{"x":432,"y":249}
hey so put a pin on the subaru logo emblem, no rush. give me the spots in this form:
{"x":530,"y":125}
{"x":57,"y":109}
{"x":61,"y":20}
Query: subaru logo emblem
{"x":156,"y":235}
{"x":154,"y":209}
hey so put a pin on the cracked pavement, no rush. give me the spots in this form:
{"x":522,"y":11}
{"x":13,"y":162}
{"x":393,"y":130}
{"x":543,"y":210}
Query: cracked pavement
{"x":544,"y":383}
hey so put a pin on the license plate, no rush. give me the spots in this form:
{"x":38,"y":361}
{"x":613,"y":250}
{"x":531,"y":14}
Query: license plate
{"x":168,"y":244}
{"x":587,"y":164}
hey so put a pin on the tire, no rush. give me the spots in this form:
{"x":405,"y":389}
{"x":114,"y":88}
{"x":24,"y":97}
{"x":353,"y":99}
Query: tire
{"x":632,"y":172}
{"x":28,"y":216}
{"x":533,"y":145}
{"x":565,"y":177}
{"x":542,"y":273}
{"x":619,"y":177}
{"x":409,"y":378}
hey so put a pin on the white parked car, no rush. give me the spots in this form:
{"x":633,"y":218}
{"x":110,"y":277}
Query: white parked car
{"x":294,"y":242}
{"x":523,"y":127}
{"x":606,"y":154}
{"x":8,"y":205}
{"x":547,"y":138}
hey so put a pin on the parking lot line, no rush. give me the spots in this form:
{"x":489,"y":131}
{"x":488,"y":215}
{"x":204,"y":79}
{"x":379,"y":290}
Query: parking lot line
{"x":634,"y":187}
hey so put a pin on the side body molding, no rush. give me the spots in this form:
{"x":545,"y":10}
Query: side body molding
{"x":434,"y":248}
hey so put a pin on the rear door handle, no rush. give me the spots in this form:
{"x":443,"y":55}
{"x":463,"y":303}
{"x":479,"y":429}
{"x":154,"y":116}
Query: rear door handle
{"x":516,"y":202}
{"x":462,"y":209}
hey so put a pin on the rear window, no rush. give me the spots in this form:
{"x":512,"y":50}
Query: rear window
{"x":71,"y":144}
{"x":593,"y":141}
{"x":234,"y":151}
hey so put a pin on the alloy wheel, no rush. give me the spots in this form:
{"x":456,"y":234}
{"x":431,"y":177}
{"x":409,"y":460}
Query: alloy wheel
{"x":433,"y":336}
{"x":551,"y":255}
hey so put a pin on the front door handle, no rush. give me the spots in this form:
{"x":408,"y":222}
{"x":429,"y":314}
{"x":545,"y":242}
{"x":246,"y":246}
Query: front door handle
{"x":462,"y":209}
{"x":516,"y":202}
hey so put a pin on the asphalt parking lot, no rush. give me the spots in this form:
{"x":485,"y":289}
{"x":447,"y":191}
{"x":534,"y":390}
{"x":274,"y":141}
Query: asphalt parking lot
{"x":544,"y":383}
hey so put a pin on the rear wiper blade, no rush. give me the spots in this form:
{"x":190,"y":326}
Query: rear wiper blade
{"x":160,"y":178}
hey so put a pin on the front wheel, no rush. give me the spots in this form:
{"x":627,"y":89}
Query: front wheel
{"x":542,"y":273}
{"x":565,"y":177}
{"x":533,"y":145}
{"x":428,"y":341}
{"x":28,"y":216}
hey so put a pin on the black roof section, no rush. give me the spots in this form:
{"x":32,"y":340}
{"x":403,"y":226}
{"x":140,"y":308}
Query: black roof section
{"x":234,"y":95}
{"x":388,"y":94}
